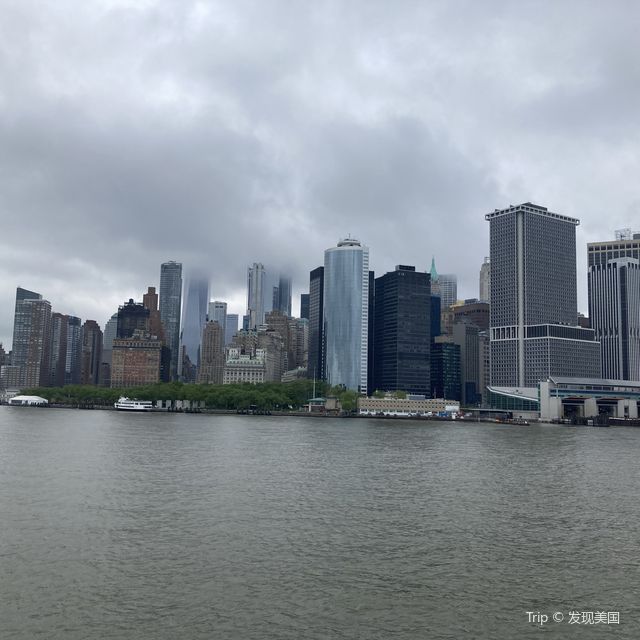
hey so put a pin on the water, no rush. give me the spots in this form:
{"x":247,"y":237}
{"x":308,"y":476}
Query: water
{"x":184,"y":526}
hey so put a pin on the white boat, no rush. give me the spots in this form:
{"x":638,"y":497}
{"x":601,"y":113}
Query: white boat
{"x":127,"y":404}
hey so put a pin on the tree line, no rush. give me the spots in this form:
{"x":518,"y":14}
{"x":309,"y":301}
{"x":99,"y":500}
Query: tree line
{"x":267,"y":396}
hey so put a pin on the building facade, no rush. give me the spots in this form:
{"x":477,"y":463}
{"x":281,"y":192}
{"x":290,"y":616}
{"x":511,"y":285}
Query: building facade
{"x":218,"y":313}
{"x":242,"y":367}
{"x":485,"y":281}
{"x":534,"y":318}
{"x":194,"y":316}
{"x":135,"y":361}
{"x":402,"y":327}
{"x":231,"y":327}
{"x":170,"y":306}
{"x":614,"y":311}
{"x":445,"y":369}
{"x":91,"y":353}
{"x":31,"y":350}
{"x":212,"y":354}
{"x":346,"y":314}
{"x":448,"y":285}
{"x":256,"y":279}
{"x":316,"y":329}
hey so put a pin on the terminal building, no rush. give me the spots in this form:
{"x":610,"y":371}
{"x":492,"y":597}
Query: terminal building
{"x":565,"y":398}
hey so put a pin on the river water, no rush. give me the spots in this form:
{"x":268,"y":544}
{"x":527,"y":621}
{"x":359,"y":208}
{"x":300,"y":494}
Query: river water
{"x":189,"y":526}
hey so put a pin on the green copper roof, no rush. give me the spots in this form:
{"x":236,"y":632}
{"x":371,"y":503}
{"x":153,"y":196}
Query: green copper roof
{"x":434,"y":273}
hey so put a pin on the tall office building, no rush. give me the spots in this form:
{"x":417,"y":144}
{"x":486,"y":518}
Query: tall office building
{"x":91,"y":353}
{"x":212,"y":354}
{"x":346,"y":314}
{"x":446,"y":375}
{"x":614,"y":311}
{"x":282,"y":295}
{"x":73,"y":359}
{"x":194,"y":316}
{"x":58,"y":359}
{"x":534,"y":332}
{"x":304,"y":306}
{"x":448,"y":285}
{"x":170,"y":305}
{"x":256,"y":295}
{"x":402,"y":328}
{"x":231,"y":327}
{"x":485,"y":281}
{"x":31,"y":352}
{"x":315,"y":361}
{"x":218,"y":313}
{"x":109,"y":335}
{"x":466,"y":336}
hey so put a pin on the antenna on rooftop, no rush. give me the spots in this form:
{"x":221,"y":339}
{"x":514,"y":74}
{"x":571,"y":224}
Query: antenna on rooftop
{"x":624,"y":234}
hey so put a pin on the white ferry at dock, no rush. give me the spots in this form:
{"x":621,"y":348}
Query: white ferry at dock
{"x":127,"y":404}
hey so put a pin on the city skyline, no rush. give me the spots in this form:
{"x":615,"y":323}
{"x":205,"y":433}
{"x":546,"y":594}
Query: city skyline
{"x":117,"y":171}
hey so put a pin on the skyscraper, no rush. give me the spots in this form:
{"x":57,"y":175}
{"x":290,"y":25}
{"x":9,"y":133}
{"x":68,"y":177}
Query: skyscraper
{"x":170,"y":305}
{"x":282,"y":295}
{"x":218,"y":313}
{"x":448,"y":285}
{"x":346,"y":314}
{"x":58,"y":359}
{"x":256,"y":294}
{"x":110,"y":334}
{"x":485,"y":281}
{"x":31,"y":351}
{"x":194,"y":316}
{"x":73,"y":360}
{"x":231,"y":327}
{"x":212,"y":354}
{"x":534,"y":332}
{"x":304,"y":306}
{"x":614,"y":311}
{"x":402,"y":327}
{"x":315,"y":366}
{"x":91,"y":352}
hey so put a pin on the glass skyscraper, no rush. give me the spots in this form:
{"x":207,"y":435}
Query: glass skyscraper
{"x":194,"y":318}
{"x":402,"y":327}
{"x":346,"y":314}
{"x":170,"y":304}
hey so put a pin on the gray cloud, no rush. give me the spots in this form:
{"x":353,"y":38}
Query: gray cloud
{"x":223,"y":133}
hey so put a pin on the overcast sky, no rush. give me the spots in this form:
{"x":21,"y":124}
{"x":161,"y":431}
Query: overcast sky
{"x":223,"y":133}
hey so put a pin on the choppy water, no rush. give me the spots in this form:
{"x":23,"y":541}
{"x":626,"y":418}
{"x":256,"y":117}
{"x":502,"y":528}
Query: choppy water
{"x":186,"y":526}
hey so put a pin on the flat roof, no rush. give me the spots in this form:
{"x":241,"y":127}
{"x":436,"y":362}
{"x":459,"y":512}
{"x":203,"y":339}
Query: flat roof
{"x":531,"y":208}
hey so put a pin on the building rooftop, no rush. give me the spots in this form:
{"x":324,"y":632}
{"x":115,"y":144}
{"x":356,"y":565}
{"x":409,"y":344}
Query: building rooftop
{"x":530,"y":208}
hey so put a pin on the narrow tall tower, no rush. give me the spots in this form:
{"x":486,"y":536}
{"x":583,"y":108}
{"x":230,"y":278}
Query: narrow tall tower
{"x":255,"y":294}
{"x":170,"y":304}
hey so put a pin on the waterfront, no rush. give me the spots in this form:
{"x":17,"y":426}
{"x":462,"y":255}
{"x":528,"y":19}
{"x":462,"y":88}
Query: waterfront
{"x":199,"y":526}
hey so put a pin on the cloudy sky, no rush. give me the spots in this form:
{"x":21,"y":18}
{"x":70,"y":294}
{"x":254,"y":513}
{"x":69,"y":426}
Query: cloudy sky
{"x":221,"y":133}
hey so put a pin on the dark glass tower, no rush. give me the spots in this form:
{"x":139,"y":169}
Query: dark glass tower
{"x":402,"y":330}
{"x":304,"y":306}
{"x":170,"y":305}
{"x":315,"y":367}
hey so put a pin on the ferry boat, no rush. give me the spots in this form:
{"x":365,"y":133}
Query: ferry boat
{"x":127,"y":404}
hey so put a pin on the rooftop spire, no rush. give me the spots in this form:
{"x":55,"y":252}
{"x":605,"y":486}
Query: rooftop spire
{"x":434,"y":273}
